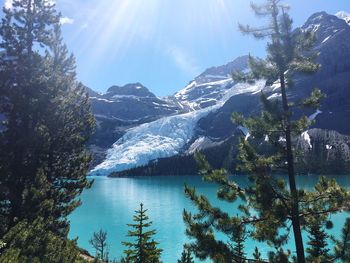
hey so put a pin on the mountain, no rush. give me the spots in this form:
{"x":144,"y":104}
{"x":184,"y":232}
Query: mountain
{"x":211,"y":86}
{"x":132,"y":103}
{"x":209,"y":100}
{"x":122,"y":108}
{"x":344,"y":15}
{"x":333,"y":45}
{"x":162,"y":138}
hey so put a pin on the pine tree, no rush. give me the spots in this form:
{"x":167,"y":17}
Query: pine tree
{"x":280,"y":256}
{"x":239,"y":237}
{"x":285,"y":58}
{"x":268,"y":206}
{"x":186,"y":256}
{"x":144,"y":248}
{"x":317,"y":249}
{"x":47,"y":120}
{"x":342,"y":245}
{"x":32,"y":242}
{"x":257,"y":255}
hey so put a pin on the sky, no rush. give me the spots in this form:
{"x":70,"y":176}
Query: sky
{"x":163,"y":44}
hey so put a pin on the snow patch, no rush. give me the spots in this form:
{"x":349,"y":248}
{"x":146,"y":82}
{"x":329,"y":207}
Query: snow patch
{"x":199,"y":144}
{"x":241,"y":88}
{"x":216,"y":76}
{"x":344,"y":15}
{"x":282,"y":139}
{"x":313,"y":116}
{"x":314,"y":28}
{"x":326,"y":39}
{"x":306,"y":137}
{"x":100,"y":99}
{"x":274,"y":96}
{"x":186,"y":89}
{"x":126,"y":97}
{"x":245,"y":132}
{"x":195,"y":94}
{"x":276,"y":85}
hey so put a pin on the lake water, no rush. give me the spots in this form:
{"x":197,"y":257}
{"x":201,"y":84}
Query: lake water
{"x":110,"y":205}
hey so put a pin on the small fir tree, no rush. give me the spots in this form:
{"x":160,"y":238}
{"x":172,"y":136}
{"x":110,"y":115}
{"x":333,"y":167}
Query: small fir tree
{"x":144,"y":248}
{"x":342,"y":245}
{"x":257,"y":255}
{"x":317,"y":245}
{"x":239,"y":237}
{"x":186,"y":256}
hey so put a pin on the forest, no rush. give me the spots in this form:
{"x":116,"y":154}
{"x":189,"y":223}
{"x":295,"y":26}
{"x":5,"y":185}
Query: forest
{"x":47,"y":122}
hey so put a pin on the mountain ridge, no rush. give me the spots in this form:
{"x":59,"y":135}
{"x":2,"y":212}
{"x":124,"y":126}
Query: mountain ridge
{"x":215,"y":93}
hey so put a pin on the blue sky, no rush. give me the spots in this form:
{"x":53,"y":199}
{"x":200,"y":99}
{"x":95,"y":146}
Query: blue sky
{"x":163,"y":43}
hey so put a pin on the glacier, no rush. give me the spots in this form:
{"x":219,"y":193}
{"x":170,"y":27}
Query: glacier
{"x":162,"y":138}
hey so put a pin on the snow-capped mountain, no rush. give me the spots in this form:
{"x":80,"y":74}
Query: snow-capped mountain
{"x":165,"y":137}
{"x":333,"y":46}
{"x":344,"y":15}
{"x":210,"y":87}
{"x":326,"y":26}
{"x":131,"y":103}
{"x":122,"y":108}
{"x":198,"y":116}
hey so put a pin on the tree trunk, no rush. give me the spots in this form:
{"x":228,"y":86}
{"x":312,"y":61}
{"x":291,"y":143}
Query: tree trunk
{"x":291,"y":175}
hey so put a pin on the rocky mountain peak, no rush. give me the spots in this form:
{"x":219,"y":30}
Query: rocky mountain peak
{"x":223,"y":72}
{"x":344,"y":15}
{"x":132,"y":89}
{"x":326,"y":26}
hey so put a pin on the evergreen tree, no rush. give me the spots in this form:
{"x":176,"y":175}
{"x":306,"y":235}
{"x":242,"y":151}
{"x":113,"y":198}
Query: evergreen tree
{"x":31,"y":242}
{"x":144,"y":248}
{"x":239,"y":237}
{"x":280,"y":256}
{"x":257,"y":255}
{"x":47,"y":120}
{"x":342,"y":245}
{"x":317,"y":249}
{"x":285,"y":58}
{"x":267,"y":205}
{"x":186,"y":256}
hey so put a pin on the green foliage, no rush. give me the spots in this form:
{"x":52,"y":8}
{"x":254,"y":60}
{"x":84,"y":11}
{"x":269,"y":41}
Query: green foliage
{"x":144,"y":248}
{"x":257,"y":255}
{"x":186,"y":256}
{"x":209,"y":220}
{"x":269,"y":208}
{"x":317,"y":249}
{"x":43,"y":161}
{"x":47,"y":122}
{"x":314,"y":100}
{"x":239,"y":237}
{"x":34,"y":242}
{"x":342,"y":245}
{"x":280,"y":256}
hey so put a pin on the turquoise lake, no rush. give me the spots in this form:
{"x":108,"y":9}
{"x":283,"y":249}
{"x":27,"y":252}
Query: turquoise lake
{"x":110,"y":205}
